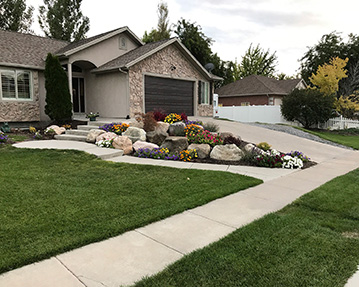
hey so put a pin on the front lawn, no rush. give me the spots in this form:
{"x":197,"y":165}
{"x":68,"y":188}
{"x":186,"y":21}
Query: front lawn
{"x":347,"y":137}
{"x":54,"y":201}
{"x":312,"y":242}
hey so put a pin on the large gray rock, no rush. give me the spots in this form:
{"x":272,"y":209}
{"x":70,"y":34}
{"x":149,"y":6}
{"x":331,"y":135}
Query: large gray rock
{"x":162,"y":127}
{"x":124,"y":143}
{"x":136,"y":124}
{"x":142,"y":145}
{"x":157,"y":137}
{"x":58,"y":130}
{"x":251,"y":148}
{"x":135,"y":134}
{"x":228,"y":152}
{"x":93,"y":134}
{"x":175,"y":144}
{"x":203,"y":150}
{"x":177,"y":129}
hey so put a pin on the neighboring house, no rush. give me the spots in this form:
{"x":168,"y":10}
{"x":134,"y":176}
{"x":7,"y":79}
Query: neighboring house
{"x":257,"y":90}
{"x":113,"y":73}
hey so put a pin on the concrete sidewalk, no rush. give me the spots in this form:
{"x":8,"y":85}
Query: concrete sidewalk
{"x":124,"y":259}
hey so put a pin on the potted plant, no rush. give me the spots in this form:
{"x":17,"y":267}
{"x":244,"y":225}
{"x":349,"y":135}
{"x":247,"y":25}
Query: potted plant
{"x":92,"y":116}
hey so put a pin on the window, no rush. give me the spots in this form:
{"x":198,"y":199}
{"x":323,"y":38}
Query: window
{"x":15,"y":84}
{"x":271,"y":101}
{"x":245,"y":104}
{"x":204,"y":92}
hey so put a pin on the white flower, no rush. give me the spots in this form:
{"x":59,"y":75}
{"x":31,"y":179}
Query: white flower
{"x":292,"y":162}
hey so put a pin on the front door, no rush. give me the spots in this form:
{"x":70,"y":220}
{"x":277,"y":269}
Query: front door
{"x":78,"y":95}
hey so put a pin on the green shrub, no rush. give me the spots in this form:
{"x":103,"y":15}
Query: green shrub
{"x":308,"y":107}
{"x":58,"y":98}
{"x":212,"y":127}
{"x":264,"y":146}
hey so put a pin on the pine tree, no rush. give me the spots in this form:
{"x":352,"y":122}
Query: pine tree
{"x":58,"y":99}
{"x":63,"y":20}
{"x":16,"y":16}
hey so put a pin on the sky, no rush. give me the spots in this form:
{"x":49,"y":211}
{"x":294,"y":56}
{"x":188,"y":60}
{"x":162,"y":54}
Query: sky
{"x":287,"y":27}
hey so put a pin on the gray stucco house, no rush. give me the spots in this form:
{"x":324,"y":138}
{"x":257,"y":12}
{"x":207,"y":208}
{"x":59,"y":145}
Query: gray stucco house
{"x":113,"y":73}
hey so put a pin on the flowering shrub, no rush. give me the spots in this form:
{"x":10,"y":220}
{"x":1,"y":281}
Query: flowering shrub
{"x":299,"y":155}
{"x":3,"y":137}
{"x":184,"y":117}
{"x":193,"y":128}
{"x":188,"y":155}
{"x":117,"y":128}
{"x":49,"y":131}
{"x":105,"y":143}
{"x":292,"y":162}
{"x":205,"y":137}
{"x":159,"y":116}
{"x":172,"y":118}
{"x":264,"y":146}
{"x":196,"y":122}
{"x":269,"y":160}
{"x":32,"y":129}
{"x":67,"y":126}
{"x":37,"y":135}
{"x":157,"y":153}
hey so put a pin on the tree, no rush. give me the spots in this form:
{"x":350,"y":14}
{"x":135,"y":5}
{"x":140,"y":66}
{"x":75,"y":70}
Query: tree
{"x":16,"y":16}
{"x":256,"y":61}
{"x":308,"y":107}
{"x":163,"y":31}
{"x":328,"y":76}
{"x":58,"y":99}
{"x":63,"y":20}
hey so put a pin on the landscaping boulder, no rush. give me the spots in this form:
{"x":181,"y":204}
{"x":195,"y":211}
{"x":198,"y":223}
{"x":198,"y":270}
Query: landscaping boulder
{"x":177,"y":129}
{"x":175,"y":144}
{"x":203,"y":150}
{"x":162,"y":127}
{"x":251,"y":148}
{"x":228,"y":152}
{"x":58,"y":130}
{"x":93,"y":134}
{"x":106,"y":136}
{"x":157,"y":137}
{"x":224,"y":135}
{"x":124,"y":143}
{"x":142,"y":145}
{"x":135,"y":134}
{"x":136,"y":124}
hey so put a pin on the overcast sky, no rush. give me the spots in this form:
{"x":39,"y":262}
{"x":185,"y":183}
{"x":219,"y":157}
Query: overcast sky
{"x":286,"y":27}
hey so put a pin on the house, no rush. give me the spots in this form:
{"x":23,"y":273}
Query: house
{"x":113,"y":73}
{"x":257,"y":90}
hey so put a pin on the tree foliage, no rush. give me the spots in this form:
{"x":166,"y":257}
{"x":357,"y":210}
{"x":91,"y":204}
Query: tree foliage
{"x":16,"y":16}
{"x":330,"y":46}
{"x":257,"y":61}
{"x":58,"y":99}
{"x":328,"y":76}
{"x":163,"y":31}
{"x":308,"y":107}
{"x":63,"y":20}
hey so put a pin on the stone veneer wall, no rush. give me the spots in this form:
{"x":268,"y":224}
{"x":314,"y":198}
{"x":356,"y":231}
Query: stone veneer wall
{"x":159,"y":64}
{"x":22,"y":111}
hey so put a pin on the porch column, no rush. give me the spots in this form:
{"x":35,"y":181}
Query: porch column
{"x":69,"y":74}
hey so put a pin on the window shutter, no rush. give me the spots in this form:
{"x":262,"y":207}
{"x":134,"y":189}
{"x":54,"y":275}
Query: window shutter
{"x":211,"y":93}
{"x":199,"y":92}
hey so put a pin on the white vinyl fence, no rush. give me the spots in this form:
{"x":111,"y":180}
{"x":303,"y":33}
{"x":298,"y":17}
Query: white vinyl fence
{"x":273,"y":115}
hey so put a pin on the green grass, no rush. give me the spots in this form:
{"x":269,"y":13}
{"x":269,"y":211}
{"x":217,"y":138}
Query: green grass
{"x":17,"y":138}
{"x":349,"y":137}
{"x":54,"y":201}
{"x":312,"y":242}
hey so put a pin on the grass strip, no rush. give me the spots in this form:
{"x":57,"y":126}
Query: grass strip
{"x":349,"y":137}
{"x":54,"y":201}
{"x":312,"y":242}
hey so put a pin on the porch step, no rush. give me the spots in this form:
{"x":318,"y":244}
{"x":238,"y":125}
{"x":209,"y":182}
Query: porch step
{"x":77,"y":132}
{"x":67,"y":137}
{"x":87,"y":127}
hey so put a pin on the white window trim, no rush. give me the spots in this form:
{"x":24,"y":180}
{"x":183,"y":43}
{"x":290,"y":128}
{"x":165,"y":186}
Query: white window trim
{"x":17,"y":99}
{"x":205,"y":88}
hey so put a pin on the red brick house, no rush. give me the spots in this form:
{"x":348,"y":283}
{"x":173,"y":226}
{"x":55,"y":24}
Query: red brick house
{"x":257,"y":90}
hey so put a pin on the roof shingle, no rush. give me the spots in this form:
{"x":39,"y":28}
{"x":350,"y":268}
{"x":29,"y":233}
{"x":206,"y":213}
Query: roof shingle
{"x":258,"y":85}
{"x":26,"y":49}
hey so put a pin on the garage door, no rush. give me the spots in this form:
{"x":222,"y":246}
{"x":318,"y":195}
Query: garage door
{"x":172,"y":96}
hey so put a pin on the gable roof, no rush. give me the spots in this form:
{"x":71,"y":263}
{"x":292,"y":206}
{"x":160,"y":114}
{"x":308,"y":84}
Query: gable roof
{"x":85,"y":43}
{"x":258,"y":85}
{"x":26,"y":50}
{"x":135,"y":56}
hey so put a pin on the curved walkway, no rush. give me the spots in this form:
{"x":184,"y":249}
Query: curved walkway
{"x":124,"y":259}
